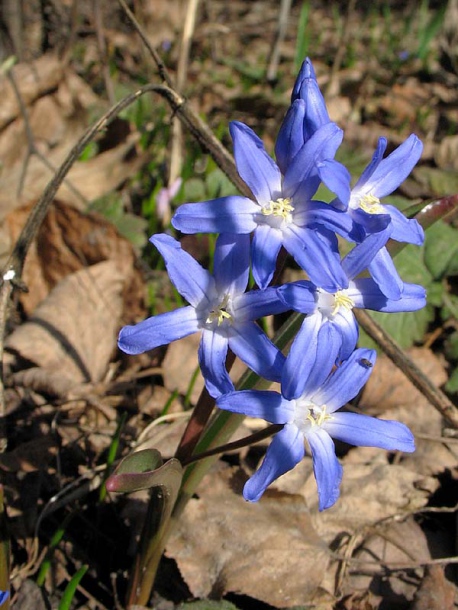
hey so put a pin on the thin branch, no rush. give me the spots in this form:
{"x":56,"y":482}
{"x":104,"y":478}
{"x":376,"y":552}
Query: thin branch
{"x":435,"y":396}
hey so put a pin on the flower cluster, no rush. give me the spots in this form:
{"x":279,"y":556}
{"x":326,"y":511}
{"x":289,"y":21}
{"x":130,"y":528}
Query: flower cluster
{"x":323,"y":369}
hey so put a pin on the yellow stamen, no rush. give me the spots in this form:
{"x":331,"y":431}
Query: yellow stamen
{"x":371,"y":204}
{"x":281,"y":207}
{"x":322,"y":417}
{"x":342,"y":300}
{"x":220,"y":313}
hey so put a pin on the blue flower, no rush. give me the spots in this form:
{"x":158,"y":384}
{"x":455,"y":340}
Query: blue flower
{"x":335,"y":309}
{"x":380,"y":178}
{"x":219,"y":308}
{"x":4,"y":596}
{"x":307,"y":406}
{"x":283,"y":212}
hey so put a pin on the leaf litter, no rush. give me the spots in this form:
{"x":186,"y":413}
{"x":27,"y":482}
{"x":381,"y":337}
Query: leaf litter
{"x":67,"y":386}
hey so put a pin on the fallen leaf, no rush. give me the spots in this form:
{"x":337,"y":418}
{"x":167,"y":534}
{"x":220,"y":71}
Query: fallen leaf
{"x":73,"y":331}
{"x":435,"y":592}
{"x":268,"y":550}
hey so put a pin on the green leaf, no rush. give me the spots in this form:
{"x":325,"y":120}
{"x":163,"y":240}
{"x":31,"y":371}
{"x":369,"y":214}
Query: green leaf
{"x":452,"y":384}
{"x":219,"y":185}
{"x":441,"y":250}
{"x":69,"y":593}
{"x":144,"y":470}
{"x":194,"y":190}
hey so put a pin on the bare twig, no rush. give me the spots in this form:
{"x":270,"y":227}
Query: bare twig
{"x":435,"y":396}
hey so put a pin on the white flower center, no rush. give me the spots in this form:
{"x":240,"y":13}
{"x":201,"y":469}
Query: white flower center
{"x":221,"y":312}
{"x":280,"y":208}
{"x":329,"y":304}
{"x":307,"y":415}
{"x":371,"y":204}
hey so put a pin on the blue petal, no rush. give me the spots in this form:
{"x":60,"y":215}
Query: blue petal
{"x":255,"y":349}
{"x":346,"y":381}
{"x":306,"y":74}
{"x":231,"y":214}
{"x":290,"y":137}
{"x":212,"y":361}
{"x":285,"y":451}
{"x":385,"y":274}
{"x":329,"y":343}
{"x":254,"y":165}
{"x":367,"y":295}
{"x":266,"y":245}
{"x":158,"y":330}
{"x":300,"y":296}
{"x":301,"y":357}
{"x":320,"y":213}
{"x":337,"y":178}
{"x":193,"y":282}
{"x":231,"y":263}
{"x":345,"y":322}
{"x":322,"y":145}
{"x":258,"y":403}
{"x":359,"y":259}
{"x":395,"y":168}
{"x":365,"y":431}
{"x":255,"y":304}
{"x":405,"y":230}
{"x":370,"y":169}
{"x":317,"y":253}
{"x":307,"y":89}
{"x":368,"y":223}
{"x":326,"y":466}
{"x":4,"y":596}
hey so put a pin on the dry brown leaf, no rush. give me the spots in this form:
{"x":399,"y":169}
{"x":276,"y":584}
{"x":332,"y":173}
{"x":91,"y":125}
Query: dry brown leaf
{"x":435,"y":592}
{"x":33,"y":80}
{"x":73,"y":331}
{"x":446,"y":155}
{"x":388,"y":387}
{"x":268,"y":550}
{"x":69,"y":240}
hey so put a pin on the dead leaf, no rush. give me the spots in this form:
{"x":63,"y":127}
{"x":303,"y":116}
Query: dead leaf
{"x":30,"y":456}
{"x":69,"y":240}
{"x":435,"y":592}
{"x":30,"y":595}
{"x":73,"y":331}
{"x":268,"y":550}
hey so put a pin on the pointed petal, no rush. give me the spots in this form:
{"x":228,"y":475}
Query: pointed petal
{"x":365,"y":431}
{"x":193,"y":282}
{"x":322,"y":145}
{"x":329,"y":343}
{"x":317,"y":253}
{"x":290,"y":137}
{"x":285,"y":451}
{"x":385,"y":274}
{"x":405,"y":229}
{"x":265,"y":247}
{"x":337,"y":178}
{"x":301,"y":357}
{"x":347,"y":380}
{"x":231,"y":214}
{"x":255,"y":349}
{"x":359,"y":259}
{"x":212,"y":361}
{"x":231,"y":263}
{"x":370,"y":169}
{"x":306,"y":88}
{"x":320,"y":213}
{"x":158,"y":330}
{"x":326,"y":466}
{"x":365,"y":294}
{"x":395,"y":168}
{"x":300,"y":296}
{"x":254,"y":165}
{"x":258,"y":403}
{"x":255,"y":304}
{"x":345,"y":321}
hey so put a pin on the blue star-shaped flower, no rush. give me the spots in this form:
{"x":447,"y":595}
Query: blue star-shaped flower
{"x":307,"y":406}
{"x":283,"y":212}
{"x":219,"y":308}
